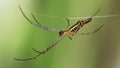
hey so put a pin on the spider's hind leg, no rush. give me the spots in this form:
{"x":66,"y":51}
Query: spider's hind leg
{"x":90,"y":33}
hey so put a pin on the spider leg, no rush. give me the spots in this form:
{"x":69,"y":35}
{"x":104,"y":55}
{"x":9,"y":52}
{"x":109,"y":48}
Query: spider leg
{"x":39,"y":25}
{"x":68,"y":22}
{"x":70,"y":37}
{"x":42,"y":52}
{"x":36,"y":22}
{"x":35,"y":19}
{"x":89,"y":33}
{"x":36,"y":50}
{"x":24,"y":14}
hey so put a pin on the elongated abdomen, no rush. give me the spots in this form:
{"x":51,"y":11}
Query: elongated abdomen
{"x":87,"y":20}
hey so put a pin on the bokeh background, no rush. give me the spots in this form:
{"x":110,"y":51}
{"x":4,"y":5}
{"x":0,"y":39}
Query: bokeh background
{"x":18,"y":36}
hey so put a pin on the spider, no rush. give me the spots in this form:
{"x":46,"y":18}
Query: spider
{"x":70,"y":31}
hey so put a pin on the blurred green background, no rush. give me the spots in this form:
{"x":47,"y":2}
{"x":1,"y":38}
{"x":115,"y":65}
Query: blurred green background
{"x":18,"y":37}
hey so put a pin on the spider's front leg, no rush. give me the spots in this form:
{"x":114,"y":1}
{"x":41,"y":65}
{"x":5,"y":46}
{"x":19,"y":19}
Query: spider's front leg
{"x":41,"y":53}
{"x":49,"y":47}
{"x":37,"y":51}
{"x":36,"y":23}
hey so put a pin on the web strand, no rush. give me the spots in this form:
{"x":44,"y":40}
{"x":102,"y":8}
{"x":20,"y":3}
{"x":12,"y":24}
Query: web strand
{"x":75,"y":18}
{"x":81,"y":17}
{"x":104,"y":16}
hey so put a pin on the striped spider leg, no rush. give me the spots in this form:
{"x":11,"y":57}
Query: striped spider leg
{"x":36,"y":23}
{"x":42,"y":52}
{"x":93,"y":32}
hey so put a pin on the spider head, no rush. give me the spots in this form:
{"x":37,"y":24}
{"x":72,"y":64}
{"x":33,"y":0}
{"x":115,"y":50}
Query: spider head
{"x":61,"y":33}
